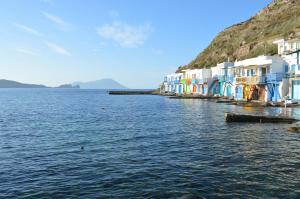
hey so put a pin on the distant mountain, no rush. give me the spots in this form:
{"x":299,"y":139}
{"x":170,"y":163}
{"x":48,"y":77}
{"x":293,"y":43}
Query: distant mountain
{"x":13,"y":84}
{"x":68,"y":86}
{"x":100,"y":84}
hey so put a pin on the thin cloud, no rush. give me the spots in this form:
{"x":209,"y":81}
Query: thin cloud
{"x":26,"y":51}
{"x":63,"y":25}
{"x":127,"y":36}
{"x":57,"y":48}
{"x":27,"y":29}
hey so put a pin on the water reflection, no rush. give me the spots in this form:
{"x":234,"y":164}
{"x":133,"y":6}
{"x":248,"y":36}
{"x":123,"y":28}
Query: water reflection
{"x":140,"y":147}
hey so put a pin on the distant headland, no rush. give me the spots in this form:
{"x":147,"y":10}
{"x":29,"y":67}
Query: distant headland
{"x":97,"y":84}
{"x":100,"y":84}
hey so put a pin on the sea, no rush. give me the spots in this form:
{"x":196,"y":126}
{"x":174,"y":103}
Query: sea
{"x":76,"y":143}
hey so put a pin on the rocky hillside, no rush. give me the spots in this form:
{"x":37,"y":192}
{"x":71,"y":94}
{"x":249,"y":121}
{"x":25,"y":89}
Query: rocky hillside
{"x":281,"y":18}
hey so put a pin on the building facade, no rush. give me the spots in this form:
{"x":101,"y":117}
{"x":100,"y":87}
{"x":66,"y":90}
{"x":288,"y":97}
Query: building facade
{"x":263,"y":78}
{"x":260,"y":78}
{"x":289,"y":50}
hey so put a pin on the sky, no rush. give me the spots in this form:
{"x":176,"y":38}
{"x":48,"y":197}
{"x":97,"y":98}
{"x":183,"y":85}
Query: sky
{"x":135,"y":42}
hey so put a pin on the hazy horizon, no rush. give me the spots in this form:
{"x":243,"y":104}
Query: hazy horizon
{"x":134,"y":42}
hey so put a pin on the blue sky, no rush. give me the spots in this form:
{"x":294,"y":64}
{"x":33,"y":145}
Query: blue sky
{"x":135,"y":42}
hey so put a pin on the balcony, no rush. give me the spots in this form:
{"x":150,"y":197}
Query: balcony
{"x":274,"y":77}
{"x":177,"y":81}
{"x":195,"y":81}
{"x":229,"y":78}
{"x":251,"y":80}
{"x":291,"y":51}
{"x":203,"y":80}
{"x":221,"y":78}
{"x":186,"y":81}
{"x":226,"y":78}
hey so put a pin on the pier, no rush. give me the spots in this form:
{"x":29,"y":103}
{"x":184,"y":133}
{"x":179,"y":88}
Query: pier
{"x":193,"y":97}
{"x":133,"y":92}
{"x":232,"y":117}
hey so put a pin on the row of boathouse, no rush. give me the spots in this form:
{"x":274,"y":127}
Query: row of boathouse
{"x":263,"y":78}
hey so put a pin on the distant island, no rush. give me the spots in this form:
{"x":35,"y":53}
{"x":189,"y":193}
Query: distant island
{"x":97,"y":84}
{"x":100,"y":84}
{"x":68,"y":86}
{"x":13,"y":84}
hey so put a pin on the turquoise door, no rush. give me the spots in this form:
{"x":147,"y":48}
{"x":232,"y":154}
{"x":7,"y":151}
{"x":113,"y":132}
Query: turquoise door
{"x":221,"y":88}
{"x":204,"y":89}
{"x":296,"y":89}
{"x":228,"y":91}
{"x":198,"y":88}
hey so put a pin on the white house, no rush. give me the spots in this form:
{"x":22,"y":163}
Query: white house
{"x":225,"y":75}
{"x":201,"y":78}
{"x":289,"y":50}
{"x":260,"y":78}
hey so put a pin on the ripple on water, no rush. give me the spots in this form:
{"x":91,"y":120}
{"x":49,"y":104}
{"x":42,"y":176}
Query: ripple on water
{"x":139,"y":147}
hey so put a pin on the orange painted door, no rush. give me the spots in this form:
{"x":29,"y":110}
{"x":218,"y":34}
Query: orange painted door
{"x":194,"y":89}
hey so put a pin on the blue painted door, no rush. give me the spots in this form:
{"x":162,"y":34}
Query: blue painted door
{"x":216,"y":88}
{"x":296,"y":89}
{"x":180,"y":89}
{"x":286,"y":68}
{"x":293,"y":68}
{"x":271,"y":92}
{"x":239,"y":92}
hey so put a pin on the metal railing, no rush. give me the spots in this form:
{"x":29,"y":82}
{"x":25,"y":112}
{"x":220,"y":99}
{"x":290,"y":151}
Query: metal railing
{"x":177,"y":81}
{"x":274,"y":77}
{"x":195,"y":81}
{"x":226,"y":78}
{"x":186,"y":81}
{"x":251,"y":80}
{"x":203,"y":80}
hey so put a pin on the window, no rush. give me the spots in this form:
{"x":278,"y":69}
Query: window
{"x":286,"y":68}
{"x":248,"y":73}
{"x":297,"y":45}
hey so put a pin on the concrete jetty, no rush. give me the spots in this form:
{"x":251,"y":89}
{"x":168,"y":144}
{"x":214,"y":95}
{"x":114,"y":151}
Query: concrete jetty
{"x":132,"y":92}
{"x":232,"y":117}
{"x":193,"y":97}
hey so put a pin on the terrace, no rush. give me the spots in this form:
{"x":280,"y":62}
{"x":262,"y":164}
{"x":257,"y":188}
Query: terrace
{"x":226,"y":78}
{"x":251,"y":80}
{"x":274,"y":77}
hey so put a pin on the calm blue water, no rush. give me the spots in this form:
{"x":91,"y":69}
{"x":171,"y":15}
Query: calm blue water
{"x":139,"y":147}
